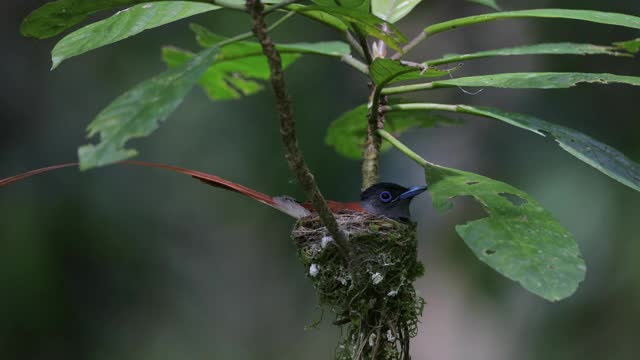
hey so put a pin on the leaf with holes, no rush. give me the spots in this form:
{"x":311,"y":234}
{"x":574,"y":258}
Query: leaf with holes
{"x":124,"y":24}
{"x":489,"y":3}
{"x":601,"y":156}
{"x":392,"y":10}
{"x":385,"y":71}
{"x":584,"y":15}
{"x":518,"y":238}
{"x":138,"y":112}
{"x":347,"y":133}
{"x":537,"y":49}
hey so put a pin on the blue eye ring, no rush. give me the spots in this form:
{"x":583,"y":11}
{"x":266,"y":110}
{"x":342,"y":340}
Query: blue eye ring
{"x":385,"y":196}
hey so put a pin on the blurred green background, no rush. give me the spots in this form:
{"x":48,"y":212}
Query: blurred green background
{"x":133,"y":263}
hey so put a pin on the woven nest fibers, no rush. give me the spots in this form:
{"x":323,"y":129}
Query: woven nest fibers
{"x":372,"y":291}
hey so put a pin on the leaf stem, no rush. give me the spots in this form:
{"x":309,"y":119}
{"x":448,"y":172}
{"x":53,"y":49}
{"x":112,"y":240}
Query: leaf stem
{"x":412,"y":44}
{"x":293,"y":153}
{"x":355,"y":63}
{"x":277,"y":6}
{"x":407,"y":88}
{"x":403,"y":148}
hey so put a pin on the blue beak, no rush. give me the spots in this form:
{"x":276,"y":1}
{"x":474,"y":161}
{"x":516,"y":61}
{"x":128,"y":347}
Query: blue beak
{"x":413,"y":191}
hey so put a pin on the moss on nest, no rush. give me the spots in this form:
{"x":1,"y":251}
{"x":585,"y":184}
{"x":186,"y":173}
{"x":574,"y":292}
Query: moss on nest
{"x":372,"y":293}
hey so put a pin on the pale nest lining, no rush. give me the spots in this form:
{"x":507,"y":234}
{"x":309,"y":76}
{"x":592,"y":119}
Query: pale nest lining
{"x":372,"y":294}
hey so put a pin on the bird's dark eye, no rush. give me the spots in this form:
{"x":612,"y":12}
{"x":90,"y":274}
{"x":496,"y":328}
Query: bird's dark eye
{"x":385,"y":196}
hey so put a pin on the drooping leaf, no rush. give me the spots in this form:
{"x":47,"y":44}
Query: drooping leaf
{"x":369,"y":23}
{"x":490,"y":3}
{"x":138,"y":112}
{"x":347,"y":133}
{"x":585,"y":15}
{"x":537,"y":49}
{"x":518,"y":238}
{"x":521,"y":81}
{"x":124,"y":24}
{"x":385,"y":71}
{"x":320,"y":16}
{"x":392,"y":10}
{"x":631,"y":46}
{"x":601,"y":156}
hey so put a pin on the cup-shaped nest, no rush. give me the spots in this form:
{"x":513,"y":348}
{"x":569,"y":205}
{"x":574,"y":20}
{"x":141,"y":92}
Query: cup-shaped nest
{"x":371,"y":290}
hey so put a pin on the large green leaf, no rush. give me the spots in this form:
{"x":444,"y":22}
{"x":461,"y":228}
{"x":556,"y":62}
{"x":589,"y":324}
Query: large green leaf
{"x":206,"y":38}
{"x":518,"y":238}
{"x":631,"y":46}
{"x":227,"y":80}
{"x":385,"y":71}
{"x":371,"y":24}
{"x":520,"y":81}
{"x":56,"y":16}
{"x":348,"y":133}
{"x":124,"y":24}
{"x":537,"y":49}
{"x":320,"y":16}
{"x":392,"y":10}
{"x":238,"y":65}
{"x":585,"y":15}
{"x":601,"y":156}
{"x":490,"y":3}
{"x":137,"y":112}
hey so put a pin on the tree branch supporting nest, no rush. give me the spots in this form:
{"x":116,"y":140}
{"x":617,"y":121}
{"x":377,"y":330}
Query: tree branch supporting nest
{"x":293,"y":153}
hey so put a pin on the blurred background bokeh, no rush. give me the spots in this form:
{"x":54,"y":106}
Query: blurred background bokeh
{"x":134,"y":263}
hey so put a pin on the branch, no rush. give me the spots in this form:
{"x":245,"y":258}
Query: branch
{"x":413,"y":43}
{"x":371,"y":155}
{"x":293,"y":153}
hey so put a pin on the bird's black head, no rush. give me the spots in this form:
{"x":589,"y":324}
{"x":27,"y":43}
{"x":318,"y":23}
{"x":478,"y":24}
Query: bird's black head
{"x":390,"y":200}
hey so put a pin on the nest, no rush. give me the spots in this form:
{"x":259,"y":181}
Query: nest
{"x":372,"y":291}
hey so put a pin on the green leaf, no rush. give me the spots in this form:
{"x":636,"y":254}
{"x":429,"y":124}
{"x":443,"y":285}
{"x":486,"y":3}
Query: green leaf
{"x":320,"y":16}
{"x":124,"y":24}
{"x":385,"y":71}
{"x":371,"y":24}
{"x":537,"y":49}
{"x":631,"y":46}
{"x":206,"y":38}
{"x":585,"y":15}
{"x":518,"y":238}
{"x":601,"y":156}
{"x":347,"y":134}
{"x":240,"y":63}
{"x":361,"y":5}
{"x":520,"y":81}
{"x":490,"y":3}
{"x":138,"y":112}
{"x":392,"y":10}
{"x":228,"y":80}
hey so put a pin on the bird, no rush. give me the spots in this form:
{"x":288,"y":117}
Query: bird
{"x":382,"y":199}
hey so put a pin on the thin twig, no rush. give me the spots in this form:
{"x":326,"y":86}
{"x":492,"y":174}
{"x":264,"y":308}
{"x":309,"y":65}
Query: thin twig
{"x":355,"y":63}
{"x":413,"y":43}
{"x":293,"y":153}
{"x":355,"y":44}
